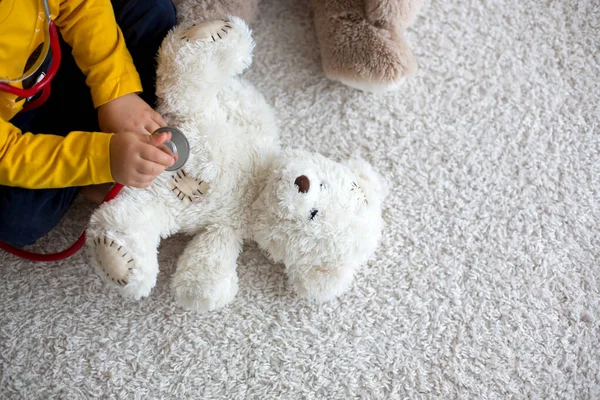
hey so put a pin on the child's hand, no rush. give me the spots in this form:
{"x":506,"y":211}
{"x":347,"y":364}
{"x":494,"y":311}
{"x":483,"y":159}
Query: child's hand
{"x":135,"y":160}
{"x":129,"y":113}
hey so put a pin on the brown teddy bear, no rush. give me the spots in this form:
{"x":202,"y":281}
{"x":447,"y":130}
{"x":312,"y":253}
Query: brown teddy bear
{"x":362,"y":41}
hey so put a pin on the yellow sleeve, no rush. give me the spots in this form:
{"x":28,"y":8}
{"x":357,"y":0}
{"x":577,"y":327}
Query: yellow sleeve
{"x":90,"y":28}
{"x":49,"y":161}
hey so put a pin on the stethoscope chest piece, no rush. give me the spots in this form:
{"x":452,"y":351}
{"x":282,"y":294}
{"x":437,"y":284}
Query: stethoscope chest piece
{"x":177,"y":146}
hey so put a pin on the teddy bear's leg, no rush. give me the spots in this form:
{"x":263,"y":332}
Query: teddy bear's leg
{"x":206,"y":277}
{"x":320,"y":283}
{"x":201,"y":58}
{"x":189,"y":11}
{"x":362,"y":41}
{"x":403,"y":12}
{"x":122,"y":238}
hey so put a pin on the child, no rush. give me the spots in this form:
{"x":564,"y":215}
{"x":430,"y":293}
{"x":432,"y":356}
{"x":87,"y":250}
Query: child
{"x":94,"y":128}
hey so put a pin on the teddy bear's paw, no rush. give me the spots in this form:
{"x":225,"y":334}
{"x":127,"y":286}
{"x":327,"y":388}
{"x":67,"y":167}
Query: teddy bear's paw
{"x":210,"y":30}
{"x":194,"y":294}
{"x":114,"y":260}
{"x":186,"y":188}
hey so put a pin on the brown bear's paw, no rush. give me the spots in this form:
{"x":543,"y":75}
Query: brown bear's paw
{"x":367,"y":56}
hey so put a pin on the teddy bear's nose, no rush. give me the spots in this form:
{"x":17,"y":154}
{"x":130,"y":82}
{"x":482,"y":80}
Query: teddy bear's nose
{"x":303,"y":184}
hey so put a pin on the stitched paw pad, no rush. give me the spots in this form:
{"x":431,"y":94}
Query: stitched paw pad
{"x":114,"y":259}
{"x":186,"y":188}
{"x":210,"y":30}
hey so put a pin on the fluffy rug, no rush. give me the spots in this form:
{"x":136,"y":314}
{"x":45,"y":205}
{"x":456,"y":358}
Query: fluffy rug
{"x":486,"y":284}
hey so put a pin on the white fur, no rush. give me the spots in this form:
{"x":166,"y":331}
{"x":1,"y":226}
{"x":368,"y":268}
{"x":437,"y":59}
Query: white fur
{"x":367,"y":86}
{"x":251,"y":191}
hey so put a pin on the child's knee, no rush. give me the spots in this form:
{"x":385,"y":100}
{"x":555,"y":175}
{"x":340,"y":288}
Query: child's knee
{"x":144,"y":19}
{"x":18,"y":230}
{"x":161,"y":15}
{"x":27,"y":215}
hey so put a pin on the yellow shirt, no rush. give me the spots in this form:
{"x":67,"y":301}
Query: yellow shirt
{"x":80,"y":158}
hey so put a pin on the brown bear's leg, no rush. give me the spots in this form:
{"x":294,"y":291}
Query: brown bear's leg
{"x":362,"y":41}
{"x":402,"y":12}
{"x":192,"y":11}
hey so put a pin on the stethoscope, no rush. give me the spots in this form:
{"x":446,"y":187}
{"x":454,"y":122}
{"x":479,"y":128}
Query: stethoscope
{"x":178,"y":146}
{"x":43,"y":85}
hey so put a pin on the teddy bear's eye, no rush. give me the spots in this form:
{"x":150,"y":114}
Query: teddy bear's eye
{"x":313,"y":213}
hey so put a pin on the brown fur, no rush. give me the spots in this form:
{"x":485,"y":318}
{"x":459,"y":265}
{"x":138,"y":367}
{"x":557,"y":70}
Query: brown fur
{"x":362,"y":41}
{"x":204,"y":10}
{"x":361,"y":49}
{"x":399,"y":12}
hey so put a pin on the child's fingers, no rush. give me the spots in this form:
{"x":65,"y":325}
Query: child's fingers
{"x":155,"y":155}
{"x":142,"y":179}
{"x":158,"y":119}
{"x":157,"y":140}
{"x":139,"y":182}
{"x":150,"y":169}
{"x":151,"y":126}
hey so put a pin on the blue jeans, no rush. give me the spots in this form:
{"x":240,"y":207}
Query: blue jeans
{"x":25,"y":214}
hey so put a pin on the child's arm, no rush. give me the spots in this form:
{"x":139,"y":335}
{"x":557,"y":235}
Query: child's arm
{"x":99,"y":49}
{"x":48,"y":161}
{"x":80,"y":159}
{"x":90,"y":28}
{"x":87,"y":158}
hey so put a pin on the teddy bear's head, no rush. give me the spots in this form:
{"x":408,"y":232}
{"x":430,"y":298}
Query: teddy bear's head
{"x":320,"y":218}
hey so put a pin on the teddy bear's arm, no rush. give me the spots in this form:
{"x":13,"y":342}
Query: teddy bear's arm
{"x":206,"y":277}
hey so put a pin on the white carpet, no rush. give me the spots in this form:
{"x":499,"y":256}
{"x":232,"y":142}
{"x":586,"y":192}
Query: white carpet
{"x":486,"y":285}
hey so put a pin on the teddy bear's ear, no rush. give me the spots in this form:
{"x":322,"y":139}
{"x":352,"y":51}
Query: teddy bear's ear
{"x":372,"y":184}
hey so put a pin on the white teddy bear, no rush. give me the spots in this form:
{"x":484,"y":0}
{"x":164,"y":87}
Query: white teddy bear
{"x":321,"y":219}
